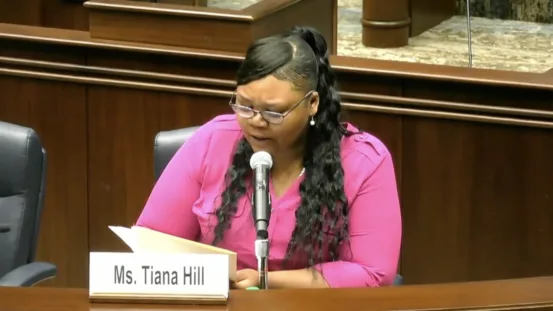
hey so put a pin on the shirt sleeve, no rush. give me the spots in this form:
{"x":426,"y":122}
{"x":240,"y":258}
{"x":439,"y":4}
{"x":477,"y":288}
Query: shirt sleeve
{"x":371,"y":258}
{"x":169,"y":206}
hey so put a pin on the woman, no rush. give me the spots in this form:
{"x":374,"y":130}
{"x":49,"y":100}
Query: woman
{"x":336,"y":219}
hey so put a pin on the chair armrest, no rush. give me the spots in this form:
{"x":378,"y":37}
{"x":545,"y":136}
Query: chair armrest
{"x":29,"y":274}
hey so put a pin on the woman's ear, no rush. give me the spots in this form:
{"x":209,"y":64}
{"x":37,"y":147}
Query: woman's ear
{"x":314,"y":104}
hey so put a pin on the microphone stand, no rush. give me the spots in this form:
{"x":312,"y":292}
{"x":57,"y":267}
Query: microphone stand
{"x":262,"y":253}
{"x":262,"y":237}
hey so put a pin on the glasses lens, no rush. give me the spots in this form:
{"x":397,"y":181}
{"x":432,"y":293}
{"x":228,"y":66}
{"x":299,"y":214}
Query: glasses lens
{"x":272,"y":117}
{"x":242,"y":111}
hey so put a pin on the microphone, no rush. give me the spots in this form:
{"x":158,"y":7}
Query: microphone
{"x":261,"y":163}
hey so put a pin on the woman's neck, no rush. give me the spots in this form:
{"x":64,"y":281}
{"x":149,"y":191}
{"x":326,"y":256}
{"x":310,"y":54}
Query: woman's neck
{"x":286,"y":165}
{"x":289,"y":163}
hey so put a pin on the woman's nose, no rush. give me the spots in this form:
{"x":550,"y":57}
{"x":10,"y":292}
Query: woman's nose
{"x":258,"y":121}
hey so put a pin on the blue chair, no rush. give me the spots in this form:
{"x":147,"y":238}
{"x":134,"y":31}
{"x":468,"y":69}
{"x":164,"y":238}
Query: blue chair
{"x":166,"y":144}
{"x":22,"y":190}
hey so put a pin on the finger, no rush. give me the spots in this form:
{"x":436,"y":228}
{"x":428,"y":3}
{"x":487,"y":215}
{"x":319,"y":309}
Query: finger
{"x":241,"y":275}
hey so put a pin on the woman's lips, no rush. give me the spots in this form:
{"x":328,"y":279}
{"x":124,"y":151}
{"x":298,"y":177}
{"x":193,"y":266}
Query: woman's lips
{"x":259,"y":139}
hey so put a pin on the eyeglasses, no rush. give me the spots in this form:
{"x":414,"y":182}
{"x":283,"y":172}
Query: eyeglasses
{"x":269,"y":116}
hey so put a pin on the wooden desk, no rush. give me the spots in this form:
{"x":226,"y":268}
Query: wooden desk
{"x":514,"y":294}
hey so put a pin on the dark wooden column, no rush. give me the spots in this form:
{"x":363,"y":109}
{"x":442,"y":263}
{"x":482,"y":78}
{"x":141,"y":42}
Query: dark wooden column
{"x":385,"y":23}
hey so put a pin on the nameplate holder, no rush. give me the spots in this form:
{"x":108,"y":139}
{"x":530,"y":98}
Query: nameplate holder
{"x":159,"y":278}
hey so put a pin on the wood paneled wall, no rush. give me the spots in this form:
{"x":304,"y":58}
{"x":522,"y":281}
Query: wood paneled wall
{"x":472,"y":148}
{"x":67,"y":14}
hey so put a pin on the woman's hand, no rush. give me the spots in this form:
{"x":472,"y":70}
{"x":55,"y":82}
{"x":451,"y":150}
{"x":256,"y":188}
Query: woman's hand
{"x":246,"y":278}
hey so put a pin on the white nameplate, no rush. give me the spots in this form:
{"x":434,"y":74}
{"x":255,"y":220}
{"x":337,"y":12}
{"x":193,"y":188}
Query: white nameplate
{"x":164,"y":278}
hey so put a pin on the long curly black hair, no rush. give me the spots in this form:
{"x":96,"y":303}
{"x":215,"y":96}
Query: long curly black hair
{"x":300,"y":57}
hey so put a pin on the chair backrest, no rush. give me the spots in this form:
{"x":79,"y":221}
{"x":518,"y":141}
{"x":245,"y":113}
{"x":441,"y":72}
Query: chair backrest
{"x":22,"y":186}
{"x":166,"y":144}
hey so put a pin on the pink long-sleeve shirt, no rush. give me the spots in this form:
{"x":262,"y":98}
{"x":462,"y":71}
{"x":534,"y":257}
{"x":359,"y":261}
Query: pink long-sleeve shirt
{"x":186,"y":195}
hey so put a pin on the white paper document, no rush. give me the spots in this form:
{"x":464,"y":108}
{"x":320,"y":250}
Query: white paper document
{"x":144,"y":240}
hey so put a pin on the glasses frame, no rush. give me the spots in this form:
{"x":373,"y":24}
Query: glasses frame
{"x":254,"y":112}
